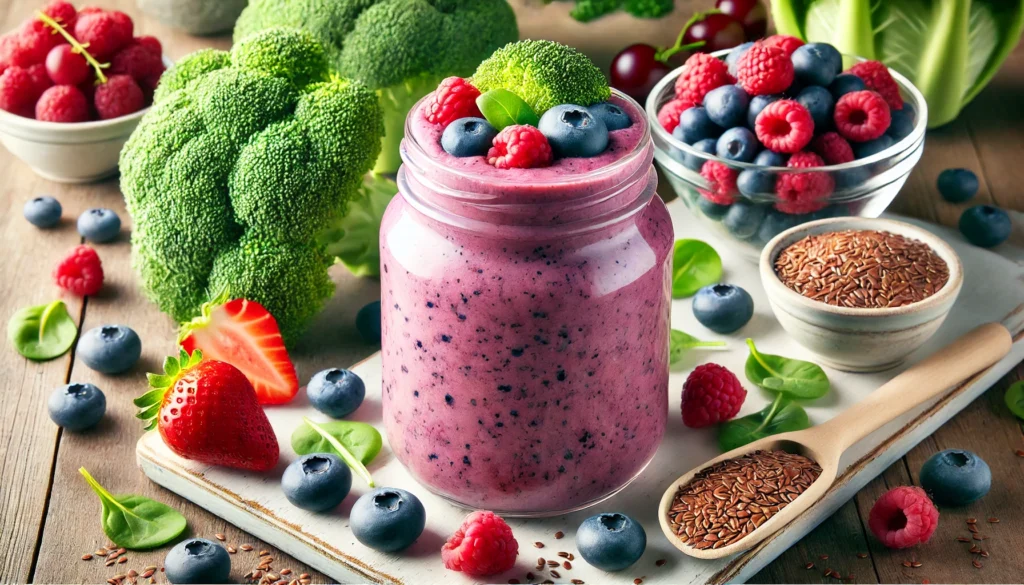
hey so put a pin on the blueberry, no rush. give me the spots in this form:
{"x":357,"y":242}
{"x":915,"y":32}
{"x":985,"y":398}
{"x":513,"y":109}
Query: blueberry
{"x":820,"y":104}
{"x":611,"y":542}
{"x":110,"y":349}
{"x":727,"y":105}
{"x":316,"y":482}
{"x":468,"y":137}
{"x":985,"y":226}
{"x":775,"y":223}
{"x":335,"y":392}
{"x":955,"y":477}
{"x":723,"y":308}
{"x":197,"y":560}
{"x":368,"y":322}
{"x":42,"y":211}
{"x":387,"y":519}
{"x":612,"y":116}
{"x":957,"y":185}
{"x":77,"y":407}
{"x":758,"y":103}
{"x":694,"y":125}
{"x":738,"y":144}
{"x":99,"y":225}
{"x":756,"y":182}
{"x":734,"y":56}
{"x":692,"y":161}
{"x":845,"y":83}
{"x":744,"y":218}
{"x":902,"y":123}
{"x":871,"y":147}
{"x":711,"y":209}
{"x":817,"y":64}
{"x":852,"y":178}
{"x":768,"y":158}
{"x":573,"y":131}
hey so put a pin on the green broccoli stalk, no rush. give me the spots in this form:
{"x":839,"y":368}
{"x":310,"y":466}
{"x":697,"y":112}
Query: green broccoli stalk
{"x":400,"y":48}
{"x":243,"y":160}
{"x":353,"y":237}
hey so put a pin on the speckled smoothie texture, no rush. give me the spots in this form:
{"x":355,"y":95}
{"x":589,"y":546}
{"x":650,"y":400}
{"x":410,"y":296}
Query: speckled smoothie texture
{"x":526,"y":366}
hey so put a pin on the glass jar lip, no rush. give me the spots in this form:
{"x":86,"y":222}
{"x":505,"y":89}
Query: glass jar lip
{"x":904,"y":145}
{"x":639,"y":151}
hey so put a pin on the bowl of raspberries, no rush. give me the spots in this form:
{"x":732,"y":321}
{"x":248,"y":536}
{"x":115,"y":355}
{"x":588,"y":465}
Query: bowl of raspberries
{"x":768,"y":135}
{"x":73,"y":86}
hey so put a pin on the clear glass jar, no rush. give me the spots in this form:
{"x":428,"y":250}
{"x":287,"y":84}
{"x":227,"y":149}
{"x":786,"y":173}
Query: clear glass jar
{"x":525,"y":326}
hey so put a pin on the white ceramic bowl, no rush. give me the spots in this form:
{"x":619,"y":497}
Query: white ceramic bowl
{"x":69,"y":153}
{"x":856,"y":339}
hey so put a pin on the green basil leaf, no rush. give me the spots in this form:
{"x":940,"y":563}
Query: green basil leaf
{"x":695,"y":264}
{"x":781,"y":416}
{"x":357,"y":443}
{"x":43,"y":332}
{"x":797,"y":378}
{"x":136,"y":522}
{"x":680,"y":342}
{"x":502,"y":108}
{"x":1014,"y":398}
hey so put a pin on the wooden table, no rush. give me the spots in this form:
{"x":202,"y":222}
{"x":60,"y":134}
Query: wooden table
{"x":49,"y":517}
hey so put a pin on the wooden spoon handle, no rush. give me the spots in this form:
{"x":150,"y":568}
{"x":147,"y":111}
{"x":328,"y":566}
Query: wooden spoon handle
{"x":973,"y":352}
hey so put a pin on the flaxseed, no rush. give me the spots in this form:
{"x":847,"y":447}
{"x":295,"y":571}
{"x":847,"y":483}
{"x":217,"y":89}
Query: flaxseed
{"x":87,"y":557}
{"x":660,"y":562}
{"x":567,"y":566}
{"x":559,"y":535}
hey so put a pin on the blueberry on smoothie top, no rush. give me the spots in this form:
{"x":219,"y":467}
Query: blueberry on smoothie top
{"x":573,"y":131}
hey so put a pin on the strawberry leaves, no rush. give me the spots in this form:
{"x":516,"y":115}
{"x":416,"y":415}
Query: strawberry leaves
{"x":149,"y":403}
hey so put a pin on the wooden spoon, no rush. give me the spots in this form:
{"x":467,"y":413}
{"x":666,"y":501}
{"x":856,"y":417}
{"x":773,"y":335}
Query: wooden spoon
{"x":825,"y":443}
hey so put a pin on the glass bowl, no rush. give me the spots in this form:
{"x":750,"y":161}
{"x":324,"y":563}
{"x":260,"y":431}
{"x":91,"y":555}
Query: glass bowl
{"x":749,"y":220}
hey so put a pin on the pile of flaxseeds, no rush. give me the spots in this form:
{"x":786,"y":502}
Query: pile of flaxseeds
{"x":549,"y":569}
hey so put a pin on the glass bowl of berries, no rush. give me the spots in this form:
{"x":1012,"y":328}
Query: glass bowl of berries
{"x":761,"y":138}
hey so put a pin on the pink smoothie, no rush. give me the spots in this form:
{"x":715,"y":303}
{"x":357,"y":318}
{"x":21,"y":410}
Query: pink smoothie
{"x":525,"y":323}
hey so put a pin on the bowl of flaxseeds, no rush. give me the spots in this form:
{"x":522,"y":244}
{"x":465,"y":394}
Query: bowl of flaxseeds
{"x":861,"y":293}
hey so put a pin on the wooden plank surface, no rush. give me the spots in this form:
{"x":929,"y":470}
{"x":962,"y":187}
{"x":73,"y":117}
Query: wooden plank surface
{"x":48,"y":518}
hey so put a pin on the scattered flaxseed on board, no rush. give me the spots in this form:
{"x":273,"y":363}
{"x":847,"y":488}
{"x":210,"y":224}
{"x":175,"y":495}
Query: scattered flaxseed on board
{"x":862,"y":555}
{"x":809,"y":566}
{"x":220,"y":537}
{"x":728,"y":500}
{"x":246,"y":547}
{"x":862,"y":269}
{"x":1019,"y":452}
{"x":637,"y":581}
{"x":567,"y":566}
{"x":559,"y":535}
{"x":823,"y":557}
{"x":963,"y":539}
{"x":976,"y":563}
{"x":659,"y":562}
{"x":563,"y":554}
{"x":87,"y":557}
{"x":556,"y":574}
{"x":541,"y":561}
{"x":577,"y":582}
{"x":993,"y":520}
{"x":553,"y":563}
{"x":538,"y":545}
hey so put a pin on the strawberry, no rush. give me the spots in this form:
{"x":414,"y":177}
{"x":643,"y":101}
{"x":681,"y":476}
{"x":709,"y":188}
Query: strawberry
{"x":207,"y":411}
{"x":246,"y":335}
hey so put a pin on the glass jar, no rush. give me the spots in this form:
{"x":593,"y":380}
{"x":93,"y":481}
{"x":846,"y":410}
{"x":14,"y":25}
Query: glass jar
{"x":525,"y":325}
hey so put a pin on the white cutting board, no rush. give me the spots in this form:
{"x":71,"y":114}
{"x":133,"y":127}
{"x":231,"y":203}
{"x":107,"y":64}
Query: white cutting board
{"x":993,"y":288}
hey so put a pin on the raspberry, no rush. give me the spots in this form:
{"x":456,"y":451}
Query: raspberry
{"x":832,"y":148}
{"x":787,"y":43}
{"x":62,"y":103}
{"x":861,"y":116}
{"x":138,"y":61}
{"x":8,"y":46}
{"x":35,"y":40}
{"x":17,"y":91}
{"x":711,"y":394}
{"x":66,"y":67}
{"x":801,"y":193}
{"x":106,"y":32}
{"x":668,"y":115}
{"x":520,"y":147}
{"x":119,"y":96}
{"x":81,"y":272}
{"x":903,"y":517}
{"x":784,"y":126}
{"x":481,"y":547}
{"x":700,"y":74}
{"x":63,"y":12}
{"x":876,"y":76}
{"x":764,"y":70}
{"x":152,"y":43}
{"x":455,"y":98}
{"x":722,"y":182}
{"x":40,"y":79}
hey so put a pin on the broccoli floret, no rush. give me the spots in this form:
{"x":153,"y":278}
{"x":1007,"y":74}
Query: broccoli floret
{"x":587,"y":10}
{"x":543,"y":73}
{"x":400,"y":48}
{"x":649,"y":8}
{"x":241,"y":163}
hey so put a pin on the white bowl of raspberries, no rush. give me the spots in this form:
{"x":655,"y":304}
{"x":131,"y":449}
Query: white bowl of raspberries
{"x":775,"y":133}
{"x":73,"y":86}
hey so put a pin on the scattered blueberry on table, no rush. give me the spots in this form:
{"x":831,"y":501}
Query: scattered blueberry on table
{"x":197,"y":560}
{"x":317,"y":482}
{"x":368,"y":322}
{"x":110,"y":349}
{"x":77,"y":407}
{"x":985,"y":226}
{"x":387,"y":519}
{"x":611,"y":542}
{"x":42,"y":212}
{"x":957,"y":185}
{"x":99,"y":225}
{"x":336,"y":392}
{"x":723,"y":308}
{"x":955,"y":477}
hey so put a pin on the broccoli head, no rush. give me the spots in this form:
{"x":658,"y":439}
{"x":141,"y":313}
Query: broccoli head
{"x":244,"y":158}
{"x":543,"y":73}
{"x":400,"y":48}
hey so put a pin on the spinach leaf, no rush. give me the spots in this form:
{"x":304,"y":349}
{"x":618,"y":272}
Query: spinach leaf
{"x":43,"y":332}
{"x":136,"y":522}
{"x":1014,"y":398}
{"x":343,"y":438}
{"x":502,"y":108}
{"x":781,"y":416}
{"x":695,"y":264}
{"x":680,"y":342}
{"x":797,"y":378}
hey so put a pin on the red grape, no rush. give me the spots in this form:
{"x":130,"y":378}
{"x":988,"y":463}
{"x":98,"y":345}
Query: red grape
{"x":65,"y":67}
{"x":636,"y":70}
{"x":751,"y":14}
{"x":718,"y":31}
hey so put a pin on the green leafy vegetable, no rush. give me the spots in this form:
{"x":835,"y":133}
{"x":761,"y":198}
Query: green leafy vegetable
{"x":136,"y":522}
{"x":781,"y":416}
{"x":42,"y":332}
{"x":336,"y":437}
{"x":502,"y":108}
{"x":1014,"y":398}
{"x":950,"y":49}
{"x":354,"y":238}
{"x":796,"y":378}
{"x":695,"y":264}
{"x":680,"y":342}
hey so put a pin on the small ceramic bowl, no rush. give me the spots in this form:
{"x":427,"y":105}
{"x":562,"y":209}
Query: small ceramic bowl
{"x":857,"y":339}
{"x":69,"y":153}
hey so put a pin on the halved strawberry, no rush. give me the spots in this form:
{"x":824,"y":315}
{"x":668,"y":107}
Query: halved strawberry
{"x":244,"y":334}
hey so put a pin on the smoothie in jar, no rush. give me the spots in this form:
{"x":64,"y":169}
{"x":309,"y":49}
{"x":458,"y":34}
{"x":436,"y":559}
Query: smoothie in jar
{"x":526,"y":321}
